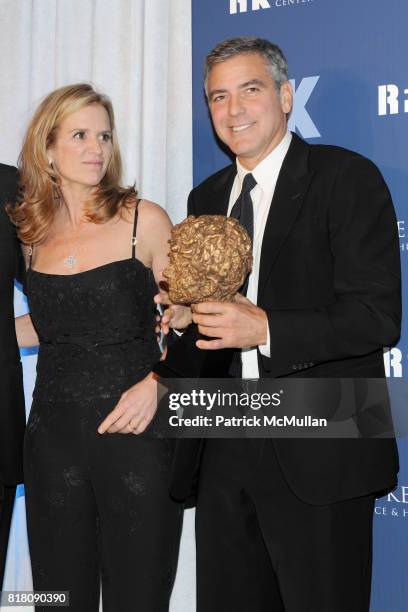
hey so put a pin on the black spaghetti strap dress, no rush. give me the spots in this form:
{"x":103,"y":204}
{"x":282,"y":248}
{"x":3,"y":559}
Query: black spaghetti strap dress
{"x":98,"y":506}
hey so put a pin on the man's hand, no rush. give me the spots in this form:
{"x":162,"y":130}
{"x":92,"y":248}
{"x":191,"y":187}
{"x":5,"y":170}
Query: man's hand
{"x":238,"y":324}
{"x":135,"y":409}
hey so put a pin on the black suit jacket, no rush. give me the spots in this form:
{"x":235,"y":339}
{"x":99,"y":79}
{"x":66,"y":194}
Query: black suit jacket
{"x":330,"y":284}
{"x":12,"y":412}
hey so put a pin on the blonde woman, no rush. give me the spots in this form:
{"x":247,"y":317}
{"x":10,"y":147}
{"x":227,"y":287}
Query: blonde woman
{"x":97,"y":505}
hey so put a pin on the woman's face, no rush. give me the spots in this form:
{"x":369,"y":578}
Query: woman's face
{"x":83,"y":147}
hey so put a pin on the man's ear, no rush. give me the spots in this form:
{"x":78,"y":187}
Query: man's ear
{"x":286,"y":97}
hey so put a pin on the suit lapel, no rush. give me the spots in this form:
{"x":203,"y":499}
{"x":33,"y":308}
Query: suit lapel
{"x":220,"y":191}
{"x":291,"y":187}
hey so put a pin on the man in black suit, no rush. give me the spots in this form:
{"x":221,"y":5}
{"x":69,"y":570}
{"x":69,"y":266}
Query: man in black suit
{"x":286,"y":524}
{"x":12,"y":413}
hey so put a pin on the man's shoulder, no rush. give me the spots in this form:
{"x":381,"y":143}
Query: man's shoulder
{"x":8,"y":181}
{"x":8,"y":172}
{"x":216,"y":180}
{"x":326,"y":157}
{"x":330,"y":151}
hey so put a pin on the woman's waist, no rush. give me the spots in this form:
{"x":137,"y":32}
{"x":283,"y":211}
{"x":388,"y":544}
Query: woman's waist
{"x":65,"y":376}
{"x":91,"y":339}
{"x":79,"y":354}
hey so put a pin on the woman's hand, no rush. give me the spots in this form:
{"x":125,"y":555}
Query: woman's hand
{"x":175,"y":316}
{"x":135,"y":409}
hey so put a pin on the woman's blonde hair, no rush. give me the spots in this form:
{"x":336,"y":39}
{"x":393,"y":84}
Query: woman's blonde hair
{"x":39,"y":183}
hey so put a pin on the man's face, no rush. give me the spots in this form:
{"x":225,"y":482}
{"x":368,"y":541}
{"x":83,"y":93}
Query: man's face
{"x":248,"y":113}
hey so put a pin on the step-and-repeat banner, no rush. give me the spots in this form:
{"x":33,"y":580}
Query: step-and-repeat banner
{"x":348,"y":65}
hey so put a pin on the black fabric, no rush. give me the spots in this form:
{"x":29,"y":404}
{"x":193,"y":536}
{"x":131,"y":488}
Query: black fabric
{"x":99,"y":506}
{"x":12,"y":410}
{"x":96,"y":330}
{"x":243,"y":209}
{"x":7,"y":496}
{"x":261,"y":548}
{"x":97,"y":503}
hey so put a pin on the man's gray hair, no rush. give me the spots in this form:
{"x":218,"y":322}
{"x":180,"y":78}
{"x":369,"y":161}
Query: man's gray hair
{"x":271,"y":53}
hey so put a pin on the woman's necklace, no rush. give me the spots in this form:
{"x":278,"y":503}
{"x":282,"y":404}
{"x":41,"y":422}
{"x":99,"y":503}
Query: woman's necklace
{"x":72,"y":259}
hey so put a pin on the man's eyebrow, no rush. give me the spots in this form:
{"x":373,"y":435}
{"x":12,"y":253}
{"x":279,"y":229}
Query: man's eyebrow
{"x":216,"y":92}
{"x":253,"y":82}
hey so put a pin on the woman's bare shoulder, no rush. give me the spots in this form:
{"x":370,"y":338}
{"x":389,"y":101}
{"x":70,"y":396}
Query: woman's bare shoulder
{"x":152,"y":214}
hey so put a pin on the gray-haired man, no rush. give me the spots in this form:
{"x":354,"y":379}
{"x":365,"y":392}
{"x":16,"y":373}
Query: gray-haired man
{"x":286,"y":524}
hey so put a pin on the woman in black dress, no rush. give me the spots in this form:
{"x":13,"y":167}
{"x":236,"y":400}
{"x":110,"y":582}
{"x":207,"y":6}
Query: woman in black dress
{"x":97,"y":505}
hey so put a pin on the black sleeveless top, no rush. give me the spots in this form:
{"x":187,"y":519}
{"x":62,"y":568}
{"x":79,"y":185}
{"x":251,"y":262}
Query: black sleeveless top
{"x":96,"y":329}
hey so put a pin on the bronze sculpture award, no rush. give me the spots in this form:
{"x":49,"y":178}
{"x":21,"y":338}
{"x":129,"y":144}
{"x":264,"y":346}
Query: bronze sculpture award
{"x":210,"y":258}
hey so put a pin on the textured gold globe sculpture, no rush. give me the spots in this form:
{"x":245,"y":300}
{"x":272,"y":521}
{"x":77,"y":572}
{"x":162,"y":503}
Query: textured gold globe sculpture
{"x":210,"y":257}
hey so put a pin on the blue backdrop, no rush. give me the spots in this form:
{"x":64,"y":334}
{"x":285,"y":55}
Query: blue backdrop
{"x":347,"y":60}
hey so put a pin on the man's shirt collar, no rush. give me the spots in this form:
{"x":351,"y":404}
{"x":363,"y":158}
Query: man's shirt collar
{"x":265,"y":172}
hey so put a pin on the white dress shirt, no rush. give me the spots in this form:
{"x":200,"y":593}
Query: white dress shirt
{"x":266,"y":174}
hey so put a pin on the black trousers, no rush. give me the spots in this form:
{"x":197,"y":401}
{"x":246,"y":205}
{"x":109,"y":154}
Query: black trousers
{"x":262,"y":549}
{"x":7,"y":495}
{"x":98,"y":506}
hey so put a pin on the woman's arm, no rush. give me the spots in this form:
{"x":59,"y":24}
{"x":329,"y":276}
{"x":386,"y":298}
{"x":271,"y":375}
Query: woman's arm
{"x":156,"y":229}
{"x":25,"y":332}
{"x":138,"y":405}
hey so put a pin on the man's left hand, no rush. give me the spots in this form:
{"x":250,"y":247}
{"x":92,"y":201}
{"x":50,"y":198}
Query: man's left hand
{"x":237,"y":324}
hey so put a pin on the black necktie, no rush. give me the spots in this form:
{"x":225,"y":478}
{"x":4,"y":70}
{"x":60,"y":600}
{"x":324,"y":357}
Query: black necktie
{"x":243,"y":211}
